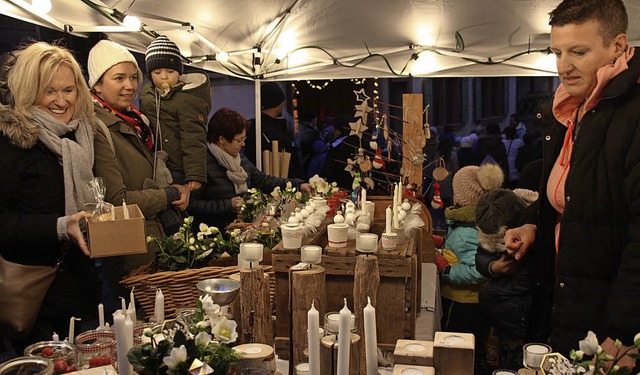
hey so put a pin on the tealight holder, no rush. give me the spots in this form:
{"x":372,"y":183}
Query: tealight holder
{"x":251,"y":252}
{"x":332,"y":323}
{"x":366,"y":242}
{"x":390,"y":241}
{"x":532,"y":354}
{"x":311,"y":254}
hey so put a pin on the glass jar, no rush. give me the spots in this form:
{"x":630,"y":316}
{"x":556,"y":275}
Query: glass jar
{"x":99,"y":344}
{"x":27,"y":366}
{"x":53,"y":350}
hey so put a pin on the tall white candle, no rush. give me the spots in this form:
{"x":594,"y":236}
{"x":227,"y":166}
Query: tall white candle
{"x":395,"y":195}
{"x":113,"y":212}
{"x":388,"y":213}
{"x":100,"y":316}
{"x":313,"y":327}
{"x":128,"y":323}
{"x":72,"y":328}
{"x":131,"y":313}
{"x":344,"y":340}
{"x":124,"y":306}
{"x":158,"y":309}
{"x":400,"y":192}
{"x":124,"y":209}
{"x":132,"y":306}
{"x":124,"y":368}
{"x":370,"y":339}
{"x":363,"y":199}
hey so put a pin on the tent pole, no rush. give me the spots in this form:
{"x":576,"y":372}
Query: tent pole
{"x":258,"y":129}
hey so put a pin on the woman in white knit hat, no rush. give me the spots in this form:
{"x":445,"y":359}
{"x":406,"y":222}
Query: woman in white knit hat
{"x":124,"y":158}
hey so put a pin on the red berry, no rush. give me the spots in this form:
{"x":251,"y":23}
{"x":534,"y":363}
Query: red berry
{"x":70,"y":369}
{"x":60,"y":367}
{"x":47,"y":351}
{"x":106,"y":360}
{"x":95,"y":362}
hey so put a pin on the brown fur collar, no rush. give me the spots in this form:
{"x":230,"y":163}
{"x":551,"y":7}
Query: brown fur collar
{"x":18,"y":130}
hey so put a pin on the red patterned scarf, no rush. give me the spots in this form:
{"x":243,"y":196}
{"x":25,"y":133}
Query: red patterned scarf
{"x":133,"y":117}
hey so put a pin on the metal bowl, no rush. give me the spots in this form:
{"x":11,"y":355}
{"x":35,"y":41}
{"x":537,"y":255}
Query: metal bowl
{"x":222,"y":291}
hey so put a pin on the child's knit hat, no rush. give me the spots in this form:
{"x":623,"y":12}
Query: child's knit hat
{"x":163,"y":53}
{"x":472,"y":182}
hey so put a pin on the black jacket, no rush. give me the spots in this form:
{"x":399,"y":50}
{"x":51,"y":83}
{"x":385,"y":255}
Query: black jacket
{"x":211,"y":204}
{"x":598,"y":263}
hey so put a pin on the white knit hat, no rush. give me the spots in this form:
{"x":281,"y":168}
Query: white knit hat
{"x":472,"y":182}
{"x":103,"y":56}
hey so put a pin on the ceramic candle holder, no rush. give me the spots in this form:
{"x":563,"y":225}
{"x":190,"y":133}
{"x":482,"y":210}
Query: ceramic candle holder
{"x":332,"y":323}
{"x":337,"y":234}
{"x":390,"y":241}
{"x":291,"y":236}
{"x":366,"y":242}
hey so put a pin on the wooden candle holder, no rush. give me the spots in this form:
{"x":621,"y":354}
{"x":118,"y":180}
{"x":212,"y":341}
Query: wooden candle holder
{"x":453,"y":353}
{"x":254,"y":359}
{"x":426,"y":370}
{"x":365,"y":284}
{"x":329,"y":355}
{"x":308,"y":286}
{"x":413,"y":352}
{"x":255,"y":307}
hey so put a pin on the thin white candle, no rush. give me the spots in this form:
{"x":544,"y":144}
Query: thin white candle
{"x":128,"y":323}
{"x":124,"y":209}
{"x":370,"y":339}
{"x":55,"y":337}
{"x":395,"y":195}
{"x":124,"y":368}
{"x":72,"y":328}
{"x":363,"y":199}
{"x":400,"y":192}
{"x":388,"y":213}
{"x":100,"y":316}
{"x":131,"y":313}
{"x":124,"y":306}
{"x":132,"y":306}
{"x":313,"y":328}
{"x":113,"y":212}
{"x":158,"y":309}
{"x":344,"y":340}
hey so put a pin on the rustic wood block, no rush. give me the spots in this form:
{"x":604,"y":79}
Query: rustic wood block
{"x":416,"y":370}
{"x":366,"y":282}
{"x":308,"y":287}
{"x":413,"y":352}
{"x":453,"y":353}
{"x":329,"y":355}
{"x":254,"y":359}
{"x":255,"y":307}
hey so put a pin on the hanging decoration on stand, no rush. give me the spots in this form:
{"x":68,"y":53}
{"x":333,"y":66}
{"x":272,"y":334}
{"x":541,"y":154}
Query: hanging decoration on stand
{"x":436,"y":201}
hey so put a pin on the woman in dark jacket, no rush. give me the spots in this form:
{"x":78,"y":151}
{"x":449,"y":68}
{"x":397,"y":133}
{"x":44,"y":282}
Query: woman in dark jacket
{"x":589,"y":208}
{"x":46,"y":156}
{"x":229,"y":174}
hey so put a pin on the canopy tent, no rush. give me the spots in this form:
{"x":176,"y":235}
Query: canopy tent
{"x":324,"y":39}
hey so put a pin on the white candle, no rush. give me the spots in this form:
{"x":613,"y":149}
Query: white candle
{"x":366,"y":242}
{"x":55,"y":337}
{"x":251,"y":252}
{"x":113,"y":212}
{"x":124,"y":368}
{"x":396,"y":219}
{"x":370,"y":338}
{"x":344,"y":340}
{"x":158,"y":309}
{"x":395,"y":195}
{"x":124,"y":306}
{"x":72,"y":328}
{"x":132,"y":306}
{"x":400,"y":192}
{"x":363,"y":199}
{"x":388,"y":213}
{"x":128,"y":323}
{"x":100,"y":316}
{"x":302,"y":369}
{"x":311,"y":254}
{"x":131,"y":313}
{"x":124,"y":209}
{"x":333,"y":323}
{"x":313,"y":328}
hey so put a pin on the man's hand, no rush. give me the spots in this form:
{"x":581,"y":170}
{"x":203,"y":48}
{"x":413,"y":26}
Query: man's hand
{"x":306,"y":188}
{"x":506,"y":265}
{"x":194,"y":185}
{"x":236,"y":203}
{"x":518,"y":240}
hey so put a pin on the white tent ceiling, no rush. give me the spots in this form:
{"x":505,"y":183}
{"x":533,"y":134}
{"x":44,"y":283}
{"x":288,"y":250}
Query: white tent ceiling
{"x":324,"y":38}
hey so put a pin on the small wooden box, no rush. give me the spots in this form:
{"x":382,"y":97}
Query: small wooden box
{"x":413,"y":352}
{"x":412,"y":369}
{"x":453,"y":353}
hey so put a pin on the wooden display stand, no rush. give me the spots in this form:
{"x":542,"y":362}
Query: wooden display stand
{"x":308,"y":286}
{"x":255,"y":324}
{"x":257,"y":359}
{"x":365,"y":286}
{"x":329,"y":355}
{"x":398,"y":293}
{"x":453,"y":353}
{"x":413,"y":352}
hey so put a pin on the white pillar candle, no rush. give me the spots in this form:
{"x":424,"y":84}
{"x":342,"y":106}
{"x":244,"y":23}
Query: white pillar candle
{"x":313,"y":328}
{"x":125,"y":212}
{"x":388,"y":213}
{"x":251,"y":252}
{"x":344,"y":340}
{"x":333,"y":322}
{"x":311,"y":254}
{"x":55,"y":337}
{"x":128,"y":323}
{"x":363,"y":199}
{"x":158,"y":308}
{"x":113,"y":212}
{"x":100,"y":316}
{"x":124,"y":368}
{"x":370,"y":338}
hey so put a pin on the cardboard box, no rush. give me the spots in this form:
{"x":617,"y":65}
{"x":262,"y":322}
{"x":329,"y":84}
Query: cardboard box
{"x":120,"y":236}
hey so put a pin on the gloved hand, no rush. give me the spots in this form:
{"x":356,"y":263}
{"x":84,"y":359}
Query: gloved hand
{"x":441,"y":263}
{"x":437,"y":240}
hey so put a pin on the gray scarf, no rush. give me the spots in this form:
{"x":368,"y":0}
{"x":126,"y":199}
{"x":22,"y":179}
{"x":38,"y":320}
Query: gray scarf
{"x":235,"y":172}
{"x":76,"y":157}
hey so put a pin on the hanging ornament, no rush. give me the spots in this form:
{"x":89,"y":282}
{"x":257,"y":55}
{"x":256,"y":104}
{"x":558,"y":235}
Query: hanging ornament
{"x":356,"y":180}
{"x":378,"y":163}
{"x":365,"y":165}
{"x":436,"y":201}
{"x":440,"y":172}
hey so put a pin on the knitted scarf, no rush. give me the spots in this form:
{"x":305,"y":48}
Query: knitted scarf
{"x":133,"y":117}
{"x":235,"y":172}
{"x":76,"y":157}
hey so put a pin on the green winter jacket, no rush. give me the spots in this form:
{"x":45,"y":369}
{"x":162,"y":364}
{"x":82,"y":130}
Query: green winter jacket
{"x":183,"y":122}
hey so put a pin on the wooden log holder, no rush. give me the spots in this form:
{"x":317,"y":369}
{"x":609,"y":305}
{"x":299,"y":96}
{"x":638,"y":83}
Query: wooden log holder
{"x":255,"y":308}
{"x":255,"y":359}
{"x":308,"y":286}
{"x":329,"y":355}
{"x":365,"y":285}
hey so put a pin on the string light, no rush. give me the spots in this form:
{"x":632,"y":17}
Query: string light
{"x":358,"y":81}
{"x":295,"y":89}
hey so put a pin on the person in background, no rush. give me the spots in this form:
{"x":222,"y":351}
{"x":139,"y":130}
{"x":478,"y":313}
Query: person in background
{"x":492,"y":149}
{"x":273,"y":128}
{"x":512,"y":144}
{"x":342,"y":147}
{"x":517,"y":125}
{"x":461,"y":282}
{"x":230,"y":174}
{"x":515,"y":297}
{"x":124,"y":157}
{"x":588,"y":216}
{"x":46,"y":156}
{"x":179,"y":104}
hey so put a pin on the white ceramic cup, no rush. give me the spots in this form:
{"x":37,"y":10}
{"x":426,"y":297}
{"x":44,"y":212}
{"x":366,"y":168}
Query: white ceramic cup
{"x":337,"y":234}
{"x":291,"y":236}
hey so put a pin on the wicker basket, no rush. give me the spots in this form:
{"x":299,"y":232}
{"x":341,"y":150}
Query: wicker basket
{"x":178,"y":287}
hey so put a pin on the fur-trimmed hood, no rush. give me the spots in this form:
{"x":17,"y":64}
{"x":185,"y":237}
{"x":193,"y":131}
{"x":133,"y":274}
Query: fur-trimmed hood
{"x":17,"y":129}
